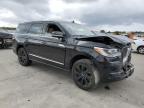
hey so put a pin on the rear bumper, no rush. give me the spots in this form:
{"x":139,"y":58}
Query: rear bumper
{"x":6,"y":42}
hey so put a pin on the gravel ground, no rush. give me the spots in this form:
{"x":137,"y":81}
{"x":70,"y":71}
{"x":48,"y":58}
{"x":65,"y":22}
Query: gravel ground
{"x":40,"y":86}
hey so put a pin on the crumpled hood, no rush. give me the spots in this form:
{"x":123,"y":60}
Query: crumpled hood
{"x":120,"y":39}
{"x":93,"y":44}
{"x":117,"y":38}
{"x":106,"y":41}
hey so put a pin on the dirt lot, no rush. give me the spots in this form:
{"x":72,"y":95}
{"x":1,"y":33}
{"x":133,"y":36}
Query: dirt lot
{"x":40,"y":86}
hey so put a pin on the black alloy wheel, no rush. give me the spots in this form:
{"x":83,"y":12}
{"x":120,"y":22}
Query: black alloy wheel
{"x":23,"y":57}
{"x":84,"y":74}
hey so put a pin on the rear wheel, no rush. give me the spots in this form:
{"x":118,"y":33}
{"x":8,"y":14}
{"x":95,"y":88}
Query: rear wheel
{"x":23,"y":57}
{"x":84,"y":74}
{"x":2,"y":43}
{"x":141,"y":50}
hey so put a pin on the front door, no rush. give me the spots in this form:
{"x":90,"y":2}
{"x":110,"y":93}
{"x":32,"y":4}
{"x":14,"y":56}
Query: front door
{"x":46,"y":48}
{"x":53,"y":49}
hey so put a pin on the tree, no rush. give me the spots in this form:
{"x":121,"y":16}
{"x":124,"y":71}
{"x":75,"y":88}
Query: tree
{"x":117,"y":33}
{"x":102,"y":31}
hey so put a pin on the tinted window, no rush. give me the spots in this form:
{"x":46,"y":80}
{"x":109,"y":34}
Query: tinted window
{"x":52,"y":27}
{"x":36,"y":29}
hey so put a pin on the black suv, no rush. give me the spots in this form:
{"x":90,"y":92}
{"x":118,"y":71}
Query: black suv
{"x":91,"y":57}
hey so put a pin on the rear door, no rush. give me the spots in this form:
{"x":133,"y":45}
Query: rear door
{"x":34,"y":43}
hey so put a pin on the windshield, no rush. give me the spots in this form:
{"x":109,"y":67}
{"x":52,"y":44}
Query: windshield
{"x":77,"y":29}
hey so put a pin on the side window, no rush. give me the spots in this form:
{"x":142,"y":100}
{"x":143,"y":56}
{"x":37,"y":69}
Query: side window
{"x":36,"y":29}
{"x":52,"y":27}
{"x":54,"y":32}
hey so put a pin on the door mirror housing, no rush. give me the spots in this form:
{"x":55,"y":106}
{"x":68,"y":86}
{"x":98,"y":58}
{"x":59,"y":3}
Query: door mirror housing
{"x":57,"y":34}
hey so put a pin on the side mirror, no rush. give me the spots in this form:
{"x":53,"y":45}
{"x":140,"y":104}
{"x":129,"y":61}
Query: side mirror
{"x":57,"y":34}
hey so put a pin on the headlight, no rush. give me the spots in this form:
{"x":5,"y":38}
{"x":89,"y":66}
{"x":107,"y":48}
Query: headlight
{"x":107,"y":52}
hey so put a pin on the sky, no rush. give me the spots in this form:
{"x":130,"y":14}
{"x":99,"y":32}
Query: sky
{"x":109,"y":15}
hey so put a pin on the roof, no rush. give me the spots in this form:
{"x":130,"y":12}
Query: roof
{"x":54,"y":21}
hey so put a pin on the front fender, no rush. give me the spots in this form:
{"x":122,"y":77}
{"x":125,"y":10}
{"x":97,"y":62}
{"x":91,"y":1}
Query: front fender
{"x":79,"y":53}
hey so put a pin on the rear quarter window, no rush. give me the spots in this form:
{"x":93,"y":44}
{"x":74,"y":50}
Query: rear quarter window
{"x":23,"y":28}
{"x":36,"y":28}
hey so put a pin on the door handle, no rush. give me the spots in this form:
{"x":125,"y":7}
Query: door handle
{"x":61,"y":45}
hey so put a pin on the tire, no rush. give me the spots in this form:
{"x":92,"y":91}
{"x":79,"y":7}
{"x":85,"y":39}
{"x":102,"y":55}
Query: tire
{"x":23,"y":57}
{"x":2,"y":45}
{"x":140,"y":50}
{"x":85,"y":75}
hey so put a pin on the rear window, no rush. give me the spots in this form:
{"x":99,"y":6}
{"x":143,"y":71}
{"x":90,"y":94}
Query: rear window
{"x":23,"y":28}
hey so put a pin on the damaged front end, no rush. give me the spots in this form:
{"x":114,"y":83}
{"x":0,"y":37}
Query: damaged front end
{"x":113,"y":58}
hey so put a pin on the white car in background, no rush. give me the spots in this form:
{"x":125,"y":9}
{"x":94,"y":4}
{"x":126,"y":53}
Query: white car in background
{"x":138,"y":45}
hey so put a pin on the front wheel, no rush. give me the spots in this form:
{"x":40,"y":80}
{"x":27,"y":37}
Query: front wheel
{"x":84,"y":74}
{"x":141,"y":50}
{"x":23,"y":57}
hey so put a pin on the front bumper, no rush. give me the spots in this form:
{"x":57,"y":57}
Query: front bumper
{"x":134,"y":47}
{"x":114,"y":71}
{"x":124,"y":73}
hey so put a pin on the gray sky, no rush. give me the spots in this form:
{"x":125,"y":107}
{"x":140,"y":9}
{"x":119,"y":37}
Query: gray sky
{"x":112,"y":15}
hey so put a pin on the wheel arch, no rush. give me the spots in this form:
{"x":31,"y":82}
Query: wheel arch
{"x":19,"y":46}
{"x":78,"y":57}
{"x":140,"y":46}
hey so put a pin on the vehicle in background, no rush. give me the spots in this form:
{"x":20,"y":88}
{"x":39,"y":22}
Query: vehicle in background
{"x":137,"y":44}
{"x":5,"y":39}
{"x":92,"y":58}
